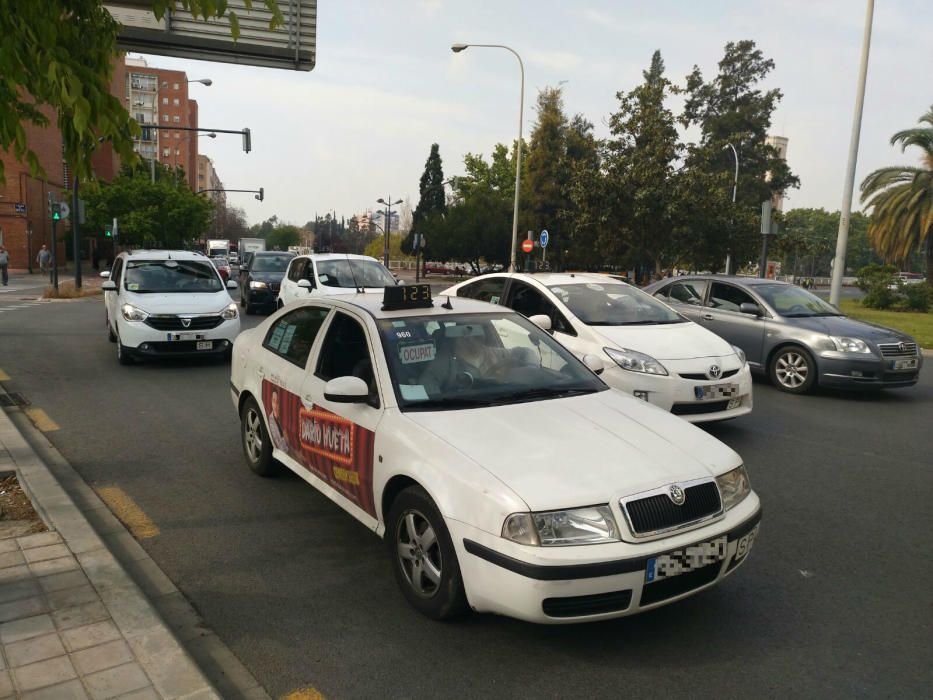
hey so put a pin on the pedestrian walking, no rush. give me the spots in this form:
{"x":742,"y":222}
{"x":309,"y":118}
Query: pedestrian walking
{"x":4,"y":265}
{"x":44,"y":258}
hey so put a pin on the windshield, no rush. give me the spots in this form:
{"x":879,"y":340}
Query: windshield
{"x":271,"y":263}
{"x":365,"y":273}
{"x":169,"y":276}
{"x":613,"y":304}
{"x":475,"y":360}
{"x":794,"y":302}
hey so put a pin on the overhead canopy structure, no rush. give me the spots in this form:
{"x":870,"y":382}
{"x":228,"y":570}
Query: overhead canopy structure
{"x":179,"y":34}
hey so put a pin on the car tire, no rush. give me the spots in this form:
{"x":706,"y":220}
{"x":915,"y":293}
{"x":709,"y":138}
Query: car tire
{"x":124,"y":354}
{"x":793,"y":370}
{"x":257,"y":446}
{"x":423,"y":557}
{"x":111,"y":336}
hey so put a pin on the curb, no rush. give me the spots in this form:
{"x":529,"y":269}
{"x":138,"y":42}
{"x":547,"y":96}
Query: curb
{"x":120,"y":569}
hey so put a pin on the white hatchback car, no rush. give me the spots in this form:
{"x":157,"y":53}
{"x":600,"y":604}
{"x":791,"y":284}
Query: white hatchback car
{"x":503,"y":474}
{"x":325,"y":274}
{"x":648,"y":349}
{"x":168,"y":303}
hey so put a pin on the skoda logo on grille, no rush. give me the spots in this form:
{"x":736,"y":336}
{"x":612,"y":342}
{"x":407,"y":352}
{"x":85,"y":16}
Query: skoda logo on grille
{"x":186,"y":322}
{"x":714,"y":371}
{"x":677,"y":495}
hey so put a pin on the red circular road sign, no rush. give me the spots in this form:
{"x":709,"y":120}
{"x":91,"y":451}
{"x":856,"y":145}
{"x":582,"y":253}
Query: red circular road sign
{"x":528,"y":245}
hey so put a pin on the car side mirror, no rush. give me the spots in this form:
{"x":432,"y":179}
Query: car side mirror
{"x":347,"y":389}
{"x":105,"y":274}
{"x":304,"y":284}
{"x":749,"y":308}
{"x":109,"y":286}
{"x":594,"y":364}
{"x":542,"y":321}
{"x":231,"y":284}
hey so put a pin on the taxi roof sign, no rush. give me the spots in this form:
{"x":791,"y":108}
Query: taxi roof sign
{"x":407,"y":296}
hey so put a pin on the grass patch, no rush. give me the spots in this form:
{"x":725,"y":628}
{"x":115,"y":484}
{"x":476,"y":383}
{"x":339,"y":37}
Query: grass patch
{"x":917,"y":324}
{"x":67,"y":291}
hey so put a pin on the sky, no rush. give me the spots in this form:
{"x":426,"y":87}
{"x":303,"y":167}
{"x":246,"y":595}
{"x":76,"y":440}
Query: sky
{"x":386,"y":86}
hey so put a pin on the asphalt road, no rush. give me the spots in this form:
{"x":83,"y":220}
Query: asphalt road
{"x":835,"y":600}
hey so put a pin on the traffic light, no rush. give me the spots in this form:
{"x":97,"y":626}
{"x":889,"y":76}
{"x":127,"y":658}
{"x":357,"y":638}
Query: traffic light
{"x":262,"y":194}
{"x":247,"y":140}
{"x":56,"y":212}
{"x":108,"y":231}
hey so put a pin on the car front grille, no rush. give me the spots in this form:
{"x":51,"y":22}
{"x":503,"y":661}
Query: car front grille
{"x":174,"y":323}
{"x":659,"y":513}
{"x":274,"y":286}
{"x":700,"y":377}
{"x":898,"y":349}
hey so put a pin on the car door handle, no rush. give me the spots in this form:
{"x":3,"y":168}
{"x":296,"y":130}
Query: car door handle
{"x":707,"y":317}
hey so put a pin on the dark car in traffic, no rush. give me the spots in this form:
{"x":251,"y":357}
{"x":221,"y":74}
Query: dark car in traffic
{"x":261,"y":279}
{"x":793,"y":336}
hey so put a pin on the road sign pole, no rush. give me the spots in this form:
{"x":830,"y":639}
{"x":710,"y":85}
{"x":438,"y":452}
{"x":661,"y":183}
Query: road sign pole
{"x":76,"y":232}
{"x":54,"y":277}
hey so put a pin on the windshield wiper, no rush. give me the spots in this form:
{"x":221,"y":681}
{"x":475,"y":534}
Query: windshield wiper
{"x":543,"y":393}
{"x":451,"y":402}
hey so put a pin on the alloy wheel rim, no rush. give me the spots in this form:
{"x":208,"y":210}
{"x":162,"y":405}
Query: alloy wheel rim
{"x":419,"y":553}
{"x":252,"y":434}
{"x":792,"y":370}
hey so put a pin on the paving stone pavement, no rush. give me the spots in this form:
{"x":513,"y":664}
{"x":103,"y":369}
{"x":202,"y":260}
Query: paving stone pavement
{"x":73,"y":624}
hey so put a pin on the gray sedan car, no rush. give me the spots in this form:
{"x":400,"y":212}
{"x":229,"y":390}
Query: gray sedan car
{"x":795,"y":337}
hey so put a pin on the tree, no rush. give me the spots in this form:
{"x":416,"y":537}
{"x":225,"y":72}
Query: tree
{"x":57,"y":55}
{"x":900,"y":199}
{"x":432,"y":197}
{"x":283,"y":236}
{"x":150,"y":214}
{"x":731,"y":109}
{"x":639,"y":159}
{"x":584,"y":214}
{"x":228,"y":222}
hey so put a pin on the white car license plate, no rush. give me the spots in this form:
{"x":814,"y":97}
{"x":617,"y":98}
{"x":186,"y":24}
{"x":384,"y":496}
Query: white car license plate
{"x":744,"y":545}
{"x":688,"y":559}
{"x":205,"y":345}
{"x":905,"y":364}
{"x":715,"y":392}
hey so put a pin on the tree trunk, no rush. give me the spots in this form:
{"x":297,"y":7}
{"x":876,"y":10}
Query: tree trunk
{"x":930,"y":258}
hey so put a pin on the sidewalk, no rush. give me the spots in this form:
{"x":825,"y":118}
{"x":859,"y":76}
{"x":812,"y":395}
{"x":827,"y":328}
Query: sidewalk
{"x":73,"y":624}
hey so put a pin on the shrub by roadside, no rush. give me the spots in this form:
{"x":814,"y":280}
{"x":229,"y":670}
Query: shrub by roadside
{"x":68,"y":291}
{"x":885,"y":290}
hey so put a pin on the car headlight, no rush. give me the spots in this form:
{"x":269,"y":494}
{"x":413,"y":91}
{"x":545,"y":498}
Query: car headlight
{"x":846,"y":344}
{"x":733,"y":486}
{"x":635,"y":361}
{"x":257,"y":285}
{"x":229,"y":313}
{"x":131,"y":313}
{"x":593,"y":525}
{"x":741,"y":353}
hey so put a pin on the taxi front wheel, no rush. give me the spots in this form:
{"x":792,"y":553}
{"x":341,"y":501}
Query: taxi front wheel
{"x":423,"y":557}
{"x":257,"y":447}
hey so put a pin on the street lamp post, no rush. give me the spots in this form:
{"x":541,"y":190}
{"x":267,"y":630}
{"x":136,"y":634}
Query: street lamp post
{"x":388,"y":227}
{"x":842,"y":238}
{"x":457,"y":48}
{"x":211,"y":135}
{"x":735,"y":189}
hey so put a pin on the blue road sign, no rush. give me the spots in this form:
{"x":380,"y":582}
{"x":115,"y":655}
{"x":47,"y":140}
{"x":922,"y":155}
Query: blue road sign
{"x":543,"y":238}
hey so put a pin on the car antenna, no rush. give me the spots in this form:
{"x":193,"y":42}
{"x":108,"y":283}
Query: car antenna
{"x":359,"y":290}
{"x":447,"y":305}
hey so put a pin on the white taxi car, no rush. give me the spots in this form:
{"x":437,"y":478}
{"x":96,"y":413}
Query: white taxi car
{"x":168,"y":303}
{"x":647,"y":349}
{"x":503,"y":474}
{"x":326,"y":274}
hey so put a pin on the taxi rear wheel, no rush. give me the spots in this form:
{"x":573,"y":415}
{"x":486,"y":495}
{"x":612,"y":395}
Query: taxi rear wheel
{"x":257,"y":447}
{"x":423,"y":557}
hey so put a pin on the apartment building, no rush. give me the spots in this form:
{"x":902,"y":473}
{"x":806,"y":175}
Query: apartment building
{"x":209,"y":180}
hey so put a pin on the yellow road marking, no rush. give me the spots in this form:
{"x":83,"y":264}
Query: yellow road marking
{"x":41,"y":419}
{"x":304,"y":694}
{"x":4,"y":377}
{"x":128,"y":512}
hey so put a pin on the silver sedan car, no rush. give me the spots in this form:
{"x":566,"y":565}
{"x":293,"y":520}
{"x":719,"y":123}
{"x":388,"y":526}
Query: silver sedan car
{"x":795,"y":337}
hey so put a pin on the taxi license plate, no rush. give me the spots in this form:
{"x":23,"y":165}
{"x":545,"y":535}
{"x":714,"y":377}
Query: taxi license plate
{"x":205,"y":344}
{"x":684,"y":560}
{"x":905,"y":364}
{"x":715,"y":391}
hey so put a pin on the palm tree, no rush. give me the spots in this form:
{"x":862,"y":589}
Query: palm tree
{"x":901,"y":201}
